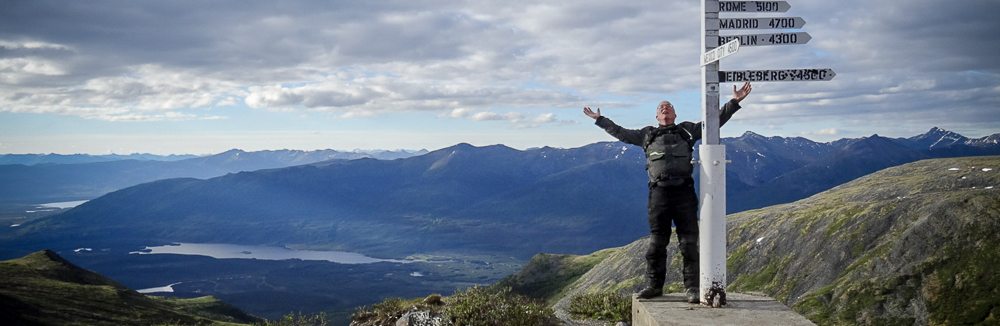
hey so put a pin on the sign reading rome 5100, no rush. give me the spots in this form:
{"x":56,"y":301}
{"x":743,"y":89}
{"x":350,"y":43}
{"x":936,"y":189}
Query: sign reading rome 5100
{"x":754,"y":6}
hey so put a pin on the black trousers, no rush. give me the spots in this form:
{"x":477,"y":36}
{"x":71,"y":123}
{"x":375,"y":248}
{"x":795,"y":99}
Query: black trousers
{"x":677,"y":205}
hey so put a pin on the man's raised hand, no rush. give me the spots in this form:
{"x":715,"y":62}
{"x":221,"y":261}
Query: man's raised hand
{"x":592,"y":114}
{"x":742,"y":93}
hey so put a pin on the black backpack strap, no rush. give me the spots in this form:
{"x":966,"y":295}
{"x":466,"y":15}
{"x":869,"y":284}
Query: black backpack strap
{"x":656,"y":132}
{"x":686,"y":135}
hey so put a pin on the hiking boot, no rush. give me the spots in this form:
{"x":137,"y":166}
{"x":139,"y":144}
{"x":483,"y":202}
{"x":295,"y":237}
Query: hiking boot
{"x":650,"y":292}
{"x":692,"y":296}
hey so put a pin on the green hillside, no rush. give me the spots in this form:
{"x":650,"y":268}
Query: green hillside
{"x":910,"y":244}
{"x":546,"y":276}
{"x":45,"y":289}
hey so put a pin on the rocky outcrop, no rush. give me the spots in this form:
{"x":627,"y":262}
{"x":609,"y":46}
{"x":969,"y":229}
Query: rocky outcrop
{"x":421,"y":318}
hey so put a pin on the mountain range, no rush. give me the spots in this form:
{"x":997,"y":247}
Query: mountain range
{"x":35,"y":179}
{"x":53,"y":158}
{"x":773,"y":170}
{"x":488,"y":199}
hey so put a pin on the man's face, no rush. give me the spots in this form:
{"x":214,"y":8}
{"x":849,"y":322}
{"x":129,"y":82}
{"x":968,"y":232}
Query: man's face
{"x":665,"y":114}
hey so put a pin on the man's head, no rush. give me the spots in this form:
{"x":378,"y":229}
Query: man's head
{"x":665,"y":114}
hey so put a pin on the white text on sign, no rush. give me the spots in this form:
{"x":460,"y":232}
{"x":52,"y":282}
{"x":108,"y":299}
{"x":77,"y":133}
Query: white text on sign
{"x":761,"y":23}
{"x":768,"y":39}
{"x":753,"y":6}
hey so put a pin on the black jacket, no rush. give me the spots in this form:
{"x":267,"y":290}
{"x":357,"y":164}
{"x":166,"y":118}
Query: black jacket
{"x":636,"y":137}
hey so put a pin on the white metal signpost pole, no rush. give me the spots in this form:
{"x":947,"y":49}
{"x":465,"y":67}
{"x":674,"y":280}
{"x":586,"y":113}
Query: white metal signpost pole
{"x":712,"y":182}
{"x":712,"y":167}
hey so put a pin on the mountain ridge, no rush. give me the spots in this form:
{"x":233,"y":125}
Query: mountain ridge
{"x":489,"y":198}
{"x":51,"y":182}
{"x":42,"y":288}
{"x":908,"y":244}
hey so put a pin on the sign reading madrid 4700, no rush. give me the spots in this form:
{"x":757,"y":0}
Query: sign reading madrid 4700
{"x":761,"y":23}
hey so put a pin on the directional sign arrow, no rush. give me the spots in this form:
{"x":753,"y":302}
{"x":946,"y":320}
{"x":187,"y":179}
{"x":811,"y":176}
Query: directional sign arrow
{"x":776,"y":75}
{"x":753,"y":6}
{"x":767,"y":39}
{"x":759,"y":23}
{"x":720,"y":52}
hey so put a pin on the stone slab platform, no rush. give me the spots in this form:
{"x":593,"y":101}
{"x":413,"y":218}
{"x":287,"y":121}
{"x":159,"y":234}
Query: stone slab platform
{"x":741,"y":309}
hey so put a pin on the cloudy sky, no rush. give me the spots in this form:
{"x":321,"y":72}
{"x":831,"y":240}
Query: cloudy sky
{"x":206,"y":76}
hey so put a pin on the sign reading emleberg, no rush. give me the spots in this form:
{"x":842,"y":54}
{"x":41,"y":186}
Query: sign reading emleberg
{"x":776,"y":75}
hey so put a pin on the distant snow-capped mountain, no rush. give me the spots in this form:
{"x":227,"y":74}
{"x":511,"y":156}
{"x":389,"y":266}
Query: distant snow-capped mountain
{"x":490,"y":198}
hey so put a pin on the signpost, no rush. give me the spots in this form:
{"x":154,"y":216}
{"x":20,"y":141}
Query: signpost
{"x":712,"y":164}
{"x":720,"y":52}
{"x":768,"y":39}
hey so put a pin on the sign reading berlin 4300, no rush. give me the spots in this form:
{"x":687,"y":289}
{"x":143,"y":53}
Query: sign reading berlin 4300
{"x":768,"y":39}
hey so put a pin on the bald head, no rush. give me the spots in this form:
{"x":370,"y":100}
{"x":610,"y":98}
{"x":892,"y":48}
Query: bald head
{"x":665,"y":114}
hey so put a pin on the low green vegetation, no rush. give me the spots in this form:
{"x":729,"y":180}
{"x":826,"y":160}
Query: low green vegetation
{"x":298,"y":319}
{"x":606,"y":305}
{"x":497,"y":306}
{"x":45,"y":289}
{"x":547,"y":276}
{"x":913,"y":244}
{"x":493,"y":305}
{"x":390,"y":310}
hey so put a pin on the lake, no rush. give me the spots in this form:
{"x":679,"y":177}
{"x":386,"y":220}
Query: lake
{"x":222,"y":251}
{"x":63,"y":204}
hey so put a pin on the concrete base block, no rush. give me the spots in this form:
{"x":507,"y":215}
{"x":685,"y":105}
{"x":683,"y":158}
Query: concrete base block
{"x":741,"y":309}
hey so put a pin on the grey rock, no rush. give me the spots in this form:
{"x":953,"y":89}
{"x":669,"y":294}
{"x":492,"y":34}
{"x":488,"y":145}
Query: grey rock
{"x":421,"y":318}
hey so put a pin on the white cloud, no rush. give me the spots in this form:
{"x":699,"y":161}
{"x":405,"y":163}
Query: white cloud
{"x":910,"y":86}
{"x":30,"y":66}
{"x":146,"y":93}
{"x":32,"y":45}
{"x":459,"y":113}
{"x":544,"y":118}
{"x":366,"y":58}
{"x":826,"y":132}
{"x":515,"y":119}
{"x":321,"y":95}
{"x":487,"y":116}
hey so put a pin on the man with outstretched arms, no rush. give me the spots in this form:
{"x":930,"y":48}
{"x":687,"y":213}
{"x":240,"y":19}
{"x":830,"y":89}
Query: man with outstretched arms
{"x":672,"y":199}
